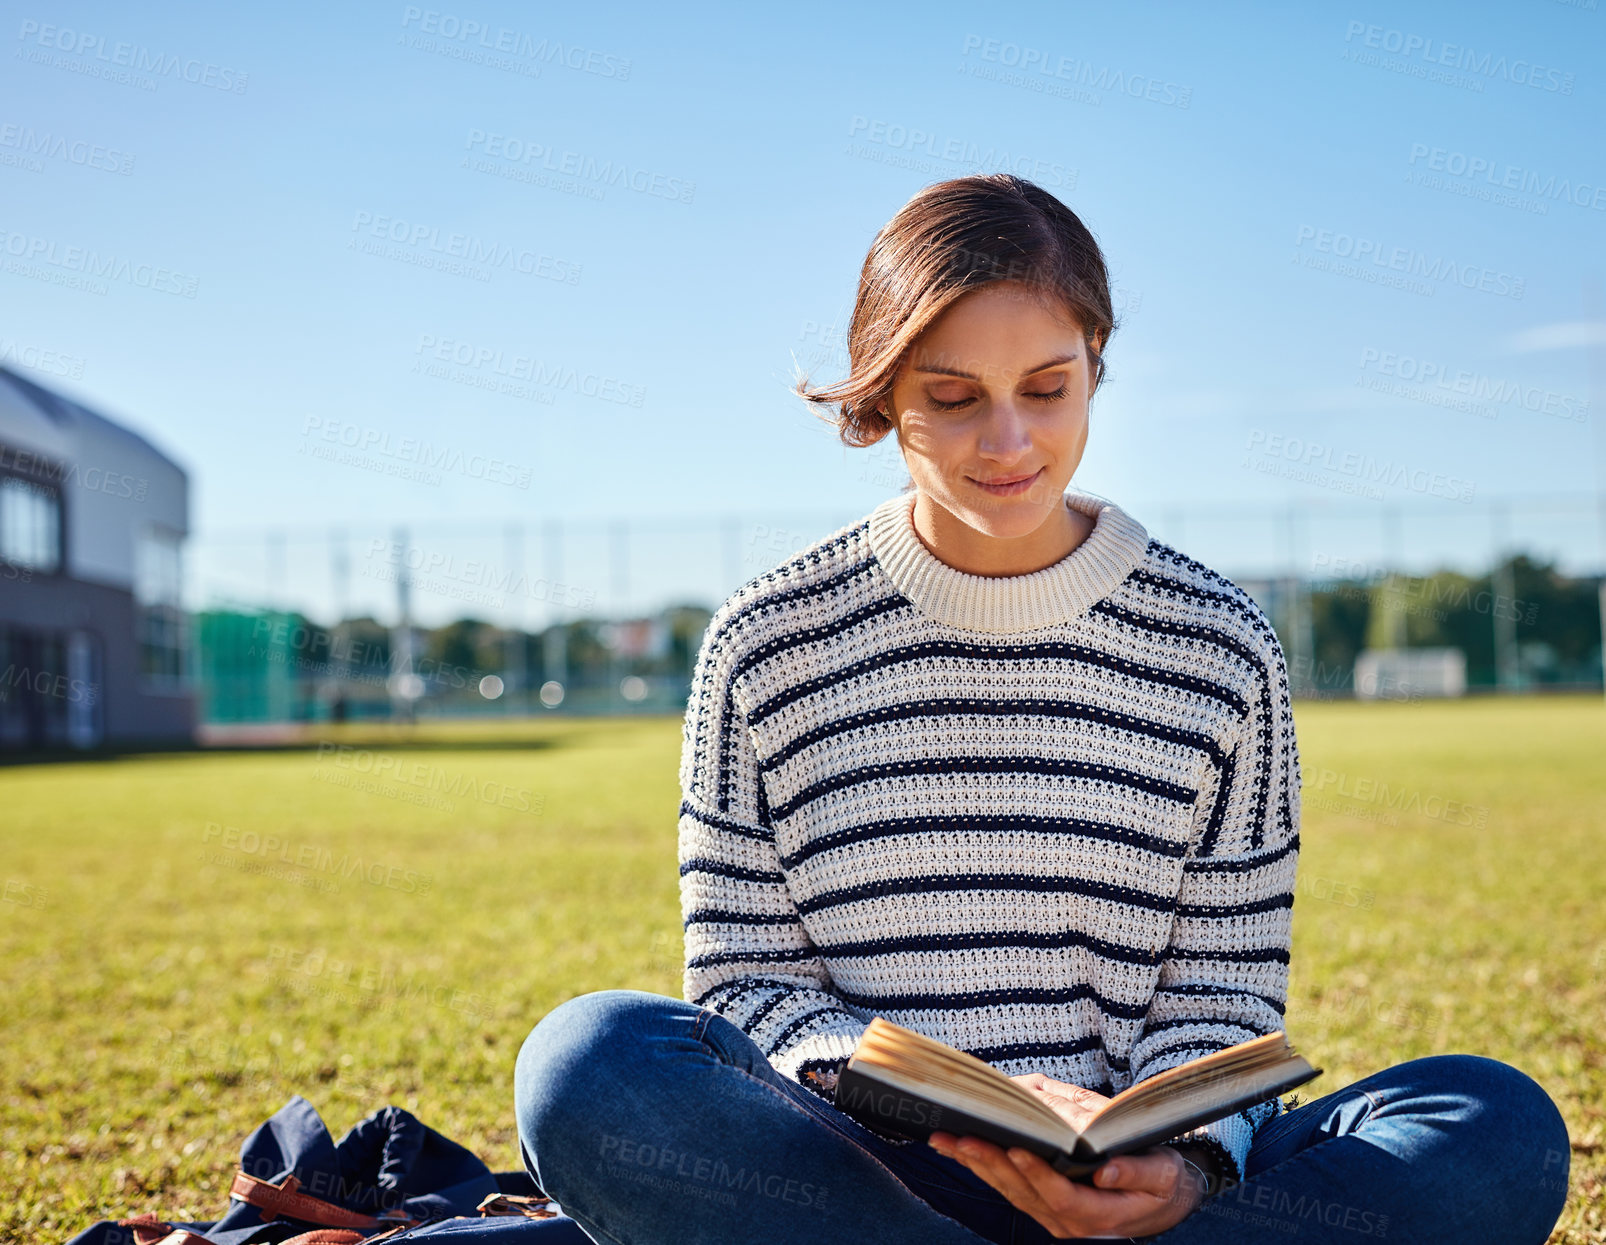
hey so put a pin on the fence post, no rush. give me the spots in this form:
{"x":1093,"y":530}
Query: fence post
{"x":1505,"y":623}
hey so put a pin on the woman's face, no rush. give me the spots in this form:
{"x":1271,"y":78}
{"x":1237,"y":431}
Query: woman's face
{"x":991,"y":409}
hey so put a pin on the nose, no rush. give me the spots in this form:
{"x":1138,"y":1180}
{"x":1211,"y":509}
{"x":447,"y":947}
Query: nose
{"x":1006,"y":433}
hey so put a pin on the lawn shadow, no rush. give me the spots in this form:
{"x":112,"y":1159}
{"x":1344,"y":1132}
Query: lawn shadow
{"x":375,"y":743}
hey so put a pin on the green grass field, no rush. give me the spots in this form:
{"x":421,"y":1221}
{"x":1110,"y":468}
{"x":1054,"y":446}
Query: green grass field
{"x":172,"y":976}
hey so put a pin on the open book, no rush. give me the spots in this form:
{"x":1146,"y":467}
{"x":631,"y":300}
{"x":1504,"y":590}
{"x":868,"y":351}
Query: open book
{"x":906,"y":1083}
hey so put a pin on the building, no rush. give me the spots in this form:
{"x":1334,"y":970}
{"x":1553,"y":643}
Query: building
{"x":93,"y":520}
{"x":1410,"y":673}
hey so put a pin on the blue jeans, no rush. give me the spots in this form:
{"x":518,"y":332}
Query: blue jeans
{"x":655,"y":1122}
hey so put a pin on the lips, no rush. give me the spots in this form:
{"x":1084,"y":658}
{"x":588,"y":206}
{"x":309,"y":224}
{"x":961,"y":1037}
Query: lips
{"x":1006,"y":485}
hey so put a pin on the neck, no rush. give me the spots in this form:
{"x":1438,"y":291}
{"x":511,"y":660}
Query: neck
{"x":957,"y":544}
{"x":1060,"y":592}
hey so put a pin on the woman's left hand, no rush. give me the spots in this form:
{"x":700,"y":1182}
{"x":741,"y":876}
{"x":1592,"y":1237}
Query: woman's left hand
{"x":1133,"y":1195}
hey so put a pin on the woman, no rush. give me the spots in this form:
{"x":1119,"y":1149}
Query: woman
{"x":997,"y":765}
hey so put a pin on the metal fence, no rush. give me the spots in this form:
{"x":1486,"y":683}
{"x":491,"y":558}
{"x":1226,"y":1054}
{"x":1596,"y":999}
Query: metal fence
{"x":530,"y":575}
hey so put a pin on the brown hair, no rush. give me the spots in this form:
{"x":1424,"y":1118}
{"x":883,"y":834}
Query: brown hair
{"x":951,"y":238}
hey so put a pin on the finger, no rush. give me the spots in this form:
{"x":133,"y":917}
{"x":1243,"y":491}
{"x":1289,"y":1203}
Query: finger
{"x":1068,"y":1206}
{"x":1154,"y":1173}
{"x":1059,"y":1191}
{"x":1103,"y":1204}
{"x":1057,"y":1194}
{"x":993,"y":1165}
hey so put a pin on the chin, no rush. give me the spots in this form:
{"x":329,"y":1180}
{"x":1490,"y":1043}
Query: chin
{"x":1006,"y":518}
{"x":1000,"y":517}
{"x":1040,"y":499}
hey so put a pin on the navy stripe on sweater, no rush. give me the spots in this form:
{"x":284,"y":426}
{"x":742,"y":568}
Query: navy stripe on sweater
{"x":981,"y":823}
{"x":1046,"y":766}
{"x":969,"y":1000}
{"x":1020,"y":654}
{"x":955,"y":706}
{"x":1018,"y":882}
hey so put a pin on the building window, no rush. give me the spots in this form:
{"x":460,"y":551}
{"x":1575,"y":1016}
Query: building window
{"x":30,"y":525}
{"x":158,"y":591}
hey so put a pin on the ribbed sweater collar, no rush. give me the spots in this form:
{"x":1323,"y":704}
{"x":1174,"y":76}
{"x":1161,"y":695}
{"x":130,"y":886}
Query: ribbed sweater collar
{"x":1006,"y":603}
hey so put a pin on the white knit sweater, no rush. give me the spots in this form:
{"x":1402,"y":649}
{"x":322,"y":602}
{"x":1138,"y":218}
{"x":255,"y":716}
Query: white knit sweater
{"x":1051,"y":819}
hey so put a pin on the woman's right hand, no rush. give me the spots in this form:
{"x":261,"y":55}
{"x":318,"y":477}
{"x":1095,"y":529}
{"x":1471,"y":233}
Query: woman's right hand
{"x":1138,"y":1195}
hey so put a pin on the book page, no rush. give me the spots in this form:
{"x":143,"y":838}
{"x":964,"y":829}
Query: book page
{"x":1208,"y":1088}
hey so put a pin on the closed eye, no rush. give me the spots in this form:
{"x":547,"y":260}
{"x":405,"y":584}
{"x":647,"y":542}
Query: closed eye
{"x":1052,"y":396}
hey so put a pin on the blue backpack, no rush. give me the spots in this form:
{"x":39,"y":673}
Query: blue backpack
{"x":390,"y":1178}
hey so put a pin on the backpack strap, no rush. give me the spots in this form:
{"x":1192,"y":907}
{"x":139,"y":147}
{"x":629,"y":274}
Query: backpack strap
{"x":285,"y":1198}
{"x":516,"y":1204}
{"x":151,"y":1230}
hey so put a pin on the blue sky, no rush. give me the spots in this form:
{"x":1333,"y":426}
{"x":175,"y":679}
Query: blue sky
{"x":1351,"y":244}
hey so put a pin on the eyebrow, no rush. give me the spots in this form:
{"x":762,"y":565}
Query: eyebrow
{"x":953,"y":371}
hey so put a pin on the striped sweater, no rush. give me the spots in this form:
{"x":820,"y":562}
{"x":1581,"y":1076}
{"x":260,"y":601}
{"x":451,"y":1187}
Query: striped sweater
{"x":1051,"y":819}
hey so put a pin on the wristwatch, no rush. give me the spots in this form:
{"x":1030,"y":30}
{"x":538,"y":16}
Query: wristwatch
{"x":1204,"y":1180}
{"x":1211,"y":1181}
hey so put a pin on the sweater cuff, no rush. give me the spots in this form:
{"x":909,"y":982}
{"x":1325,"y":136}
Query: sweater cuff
{"x":810,"y":1061}
{"x":1228,"y":1139}
{"x":821,"y":1075}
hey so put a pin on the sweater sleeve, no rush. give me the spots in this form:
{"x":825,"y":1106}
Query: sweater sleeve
{"x":748,"y":955}
{"x":1224,"y":976}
